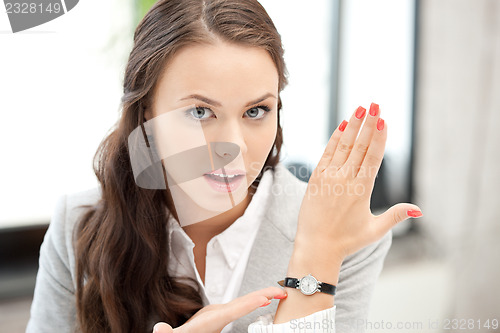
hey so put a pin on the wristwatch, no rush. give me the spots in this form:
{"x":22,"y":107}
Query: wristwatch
{"x":308,"y":285}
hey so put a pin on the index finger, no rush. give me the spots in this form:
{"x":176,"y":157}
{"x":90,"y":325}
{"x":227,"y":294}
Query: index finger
{"x":269,"y":292}
{"x":331,"y":146}
{"x":243,"y":305}
{"x":217,"y":319}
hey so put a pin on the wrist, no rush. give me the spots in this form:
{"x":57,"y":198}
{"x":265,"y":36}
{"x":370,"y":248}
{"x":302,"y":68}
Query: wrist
{"x":320,"y":262}
{"x":304,"y":261}
{"x":305,"y":248}
{"x":314,"y":240}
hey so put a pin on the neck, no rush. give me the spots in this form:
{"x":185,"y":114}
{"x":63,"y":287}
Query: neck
{"x":203,"y":231}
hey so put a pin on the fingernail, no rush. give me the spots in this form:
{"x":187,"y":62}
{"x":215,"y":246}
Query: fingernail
{"x":360,"y":112}
{"x":380,"y":124}
{"x":267,"y":303}
{"x":280,"y":296}
{"x":374,"y":109}
{"x":156,"y":329}
{"x":414,"y":213}
{"x":342,"y":125}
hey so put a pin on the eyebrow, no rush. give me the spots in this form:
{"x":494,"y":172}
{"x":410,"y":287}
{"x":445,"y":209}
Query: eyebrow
{"x":218,"y":104}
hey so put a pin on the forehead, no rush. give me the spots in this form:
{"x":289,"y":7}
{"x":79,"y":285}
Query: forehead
{"x":220,"y":70}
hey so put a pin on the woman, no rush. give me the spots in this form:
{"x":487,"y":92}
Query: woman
{"x":195,"y":219}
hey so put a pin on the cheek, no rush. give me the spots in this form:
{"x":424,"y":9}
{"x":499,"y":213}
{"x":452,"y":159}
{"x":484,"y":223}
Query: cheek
{"x":259,"y":145}
{"x":263,"y":141}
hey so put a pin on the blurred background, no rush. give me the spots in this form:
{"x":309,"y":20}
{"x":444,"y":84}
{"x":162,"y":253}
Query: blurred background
{"x":432,"y":65}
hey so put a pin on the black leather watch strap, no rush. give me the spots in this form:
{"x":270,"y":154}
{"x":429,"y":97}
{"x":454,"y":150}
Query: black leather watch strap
{"x":323,"y":287}
{"x":291,"y":282}
{"x":327,"y":288}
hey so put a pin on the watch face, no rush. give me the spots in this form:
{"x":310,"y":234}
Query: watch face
{"x":308,"y":285}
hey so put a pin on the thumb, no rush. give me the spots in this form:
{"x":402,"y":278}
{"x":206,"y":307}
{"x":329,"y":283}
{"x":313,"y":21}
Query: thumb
{"x":397,"y":214}
{"x":162,"y":328}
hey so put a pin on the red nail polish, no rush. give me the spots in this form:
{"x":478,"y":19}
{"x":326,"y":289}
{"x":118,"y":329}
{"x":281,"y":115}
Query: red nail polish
{"x":342,"y":125}
{"x":380,"y":124}
{"x":280,"y":296}
{"x":267,"y":303}
{"x":414,"y":213}
{"x":374,"y":109}
{"x":360,"y":112}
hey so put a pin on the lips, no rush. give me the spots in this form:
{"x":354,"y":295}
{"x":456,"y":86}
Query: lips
{"x":234,"y":172}
{"x":228,"y":176}
{"x":225,"y":183}
{"x":222,"y":179}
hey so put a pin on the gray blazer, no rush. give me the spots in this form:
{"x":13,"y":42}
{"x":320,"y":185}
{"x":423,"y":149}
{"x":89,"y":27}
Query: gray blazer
{"x":54,"y":310}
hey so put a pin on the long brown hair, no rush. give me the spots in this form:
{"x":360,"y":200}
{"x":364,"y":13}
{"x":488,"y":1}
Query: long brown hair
{"x":121,"y":242}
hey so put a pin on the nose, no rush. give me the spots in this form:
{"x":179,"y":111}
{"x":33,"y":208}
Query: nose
{"x":230,"y":132}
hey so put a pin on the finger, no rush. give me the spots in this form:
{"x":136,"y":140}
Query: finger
{"x":243,"y":305}
{"x":346,"y":141}
{"x":162,"y":328}
{"x":217,"y":319}
{"x":269,"y":292}
{"x":395,"y":215}
{"x":331,"y":146}
{"x":361,"y":145}
{"x":374,"y":155}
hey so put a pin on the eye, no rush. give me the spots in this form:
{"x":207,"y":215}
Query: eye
{"x":198,"y":113}
{"x":255,"y":111}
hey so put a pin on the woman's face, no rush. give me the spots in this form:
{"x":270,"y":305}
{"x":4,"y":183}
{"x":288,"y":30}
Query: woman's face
{"x":215,"y":93}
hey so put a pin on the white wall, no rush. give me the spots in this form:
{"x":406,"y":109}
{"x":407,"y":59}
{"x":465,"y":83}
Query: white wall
{"x":60,"y":87}
{"x":376,"y":65}
{"x":305,"y":32}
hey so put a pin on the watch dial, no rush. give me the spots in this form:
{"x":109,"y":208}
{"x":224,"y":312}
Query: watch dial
{"x":308,"y":285}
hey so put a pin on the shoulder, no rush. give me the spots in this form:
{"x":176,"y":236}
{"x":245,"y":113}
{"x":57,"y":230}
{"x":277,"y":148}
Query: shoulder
{"x":285,"y":197}
{"x":57,"y":252}
{"x":75,"y":204}
{"x":53,"y":307}
{"x":285,"y":178}
{"x":70,"y":208}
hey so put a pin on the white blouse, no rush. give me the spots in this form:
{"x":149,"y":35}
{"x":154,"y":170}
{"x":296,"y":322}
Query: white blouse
{"x":226,"y":261}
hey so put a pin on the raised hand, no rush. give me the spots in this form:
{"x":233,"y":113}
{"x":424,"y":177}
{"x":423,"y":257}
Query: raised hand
{"x":335,"y":212}
{"x":213,"y":318}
